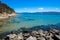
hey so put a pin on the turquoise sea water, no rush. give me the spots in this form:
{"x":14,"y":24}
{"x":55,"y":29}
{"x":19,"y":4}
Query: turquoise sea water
{"x":29,"y":20}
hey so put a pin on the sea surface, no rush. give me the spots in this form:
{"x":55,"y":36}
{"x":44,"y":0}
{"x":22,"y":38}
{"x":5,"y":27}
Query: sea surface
{"x":31,"y":20}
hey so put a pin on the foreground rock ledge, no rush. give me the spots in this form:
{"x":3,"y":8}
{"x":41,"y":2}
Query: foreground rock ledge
{"x":40,"y":34}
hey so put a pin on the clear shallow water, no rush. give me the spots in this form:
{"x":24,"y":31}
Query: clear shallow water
{"x":29,"y":20}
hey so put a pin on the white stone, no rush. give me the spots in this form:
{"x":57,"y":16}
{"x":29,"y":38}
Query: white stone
{"x":20,"y":36}
{"x":58,"y":36}
{"x":12,"y":36}
{"x":31,"y":38}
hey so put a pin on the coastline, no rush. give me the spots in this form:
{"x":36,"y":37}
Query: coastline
{"x":29,"y":31}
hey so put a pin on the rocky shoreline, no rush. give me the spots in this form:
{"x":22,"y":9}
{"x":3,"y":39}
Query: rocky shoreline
{"x":7,"y":16}
{"x":51,"y":34}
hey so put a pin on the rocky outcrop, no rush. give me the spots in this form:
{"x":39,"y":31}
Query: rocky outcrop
{"x":5,"y":8}
{"x":6,"y":11}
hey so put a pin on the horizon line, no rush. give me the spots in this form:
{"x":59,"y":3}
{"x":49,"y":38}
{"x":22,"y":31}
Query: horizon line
{"x":37,"y":12}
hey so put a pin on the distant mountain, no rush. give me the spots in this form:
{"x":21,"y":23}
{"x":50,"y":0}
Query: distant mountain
{"x":57,"y":13}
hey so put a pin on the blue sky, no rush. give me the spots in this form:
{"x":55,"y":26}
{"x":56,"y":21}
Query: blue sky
{"x":33,"y":5}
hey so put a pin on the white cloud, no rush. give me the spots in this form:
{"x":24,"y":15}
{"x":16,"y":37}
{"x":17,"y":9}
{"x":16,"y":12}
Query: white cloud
{"x":41,"y":8}
{"x":36,"y":9}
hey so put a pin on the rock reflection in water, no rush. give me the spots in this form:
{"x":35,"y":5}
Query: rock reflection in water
{"x":5,"y":23}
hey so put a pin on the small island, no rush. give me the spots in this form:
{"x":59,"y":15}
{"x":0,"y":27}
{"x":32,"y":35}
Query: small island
{"x":6,"y":11}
